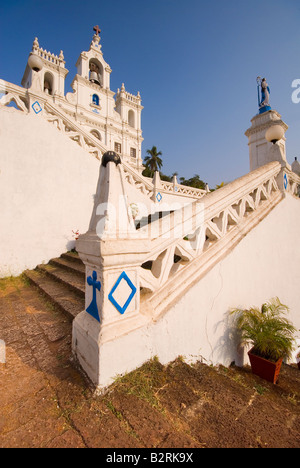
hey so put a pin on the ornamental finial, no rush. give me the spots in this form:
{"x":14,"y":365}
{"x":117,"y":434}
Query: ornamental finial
{"x":35,"y":45}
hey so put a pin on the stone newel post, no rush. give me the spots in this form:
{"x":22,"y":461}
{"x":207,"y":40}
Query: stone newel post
{"x":112,"y":252}
{"x":261,"y":151}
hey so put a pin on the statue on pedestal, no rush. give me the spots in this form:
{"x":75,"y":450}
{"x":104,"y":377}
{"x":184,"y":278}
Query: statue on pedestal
{"x":265,"y":93}
{"x":263,"y":101}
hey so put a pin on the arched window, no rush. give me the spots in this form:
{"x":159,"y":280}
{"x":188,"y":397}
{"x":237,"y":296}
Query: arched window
{"x":131,"y":118}
{"x":95,"y":99}
{"x":96,"y":134}
{"x":96,"y":72}
{"x":48,"y":83}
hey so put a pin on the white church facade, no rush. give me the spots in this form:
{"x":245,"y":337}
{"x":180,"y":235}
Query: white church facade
{"x":113,"y":118}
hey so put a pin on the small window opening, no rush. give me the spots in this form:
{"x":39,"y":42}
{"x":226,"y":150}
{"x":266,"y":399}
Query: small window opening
{"x":95,"y":99}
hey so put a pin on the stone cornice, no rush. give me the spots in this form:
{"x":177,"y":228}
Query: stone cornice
{"x":124,"y":100}
{"x":93,"y":86}
{"x":262,"y":122}
{"x":265,"y":126}
{"x":57,"y":68}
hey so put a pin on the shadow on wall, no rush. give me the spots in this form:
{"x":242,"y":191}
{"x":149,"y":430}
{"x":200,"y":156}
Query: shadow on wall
{"x":228,"y":348}
{"x":70,"y":245}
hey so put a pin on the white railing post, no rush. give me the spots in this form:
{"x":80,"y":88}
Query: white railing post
{"x":112,"y":251}
{"x":288,"y":182}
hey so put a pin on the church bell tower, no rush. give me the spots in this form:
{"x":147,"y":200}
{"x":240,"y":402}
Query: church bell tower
{"x":114,"y":119}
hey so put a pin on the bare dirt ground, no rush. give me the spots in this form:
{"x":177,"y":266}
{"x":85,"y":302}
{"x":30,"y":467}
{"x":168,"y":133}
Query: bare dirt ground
{"x":46,"y":402}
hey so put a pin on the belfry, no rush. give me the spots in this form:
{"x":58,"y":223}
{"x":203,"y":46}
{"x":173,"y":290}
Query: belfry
{"x":113,"y":118}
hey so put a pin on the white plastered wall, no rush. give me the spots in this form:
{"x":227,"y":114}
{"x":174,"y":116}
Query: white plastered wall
{"x":47,"y":183}
{"x":265,"y":264}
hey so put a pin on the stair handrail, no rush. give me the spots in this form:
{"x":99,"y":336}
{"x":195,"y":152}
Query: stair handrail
{"x":219,"y":221}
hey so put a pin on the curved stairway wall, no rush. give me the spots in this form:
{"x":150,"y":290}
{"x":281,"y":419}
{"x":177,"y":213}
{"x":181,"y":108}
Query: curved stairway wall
{"x":263,"y":265}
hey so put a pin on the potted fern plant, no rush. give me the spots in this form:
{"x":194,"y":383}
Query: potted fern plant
{"x":271,"y":335}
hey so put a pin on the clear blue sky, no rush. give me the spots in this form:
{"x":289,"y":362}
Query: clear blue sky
{"x":194,"y":62}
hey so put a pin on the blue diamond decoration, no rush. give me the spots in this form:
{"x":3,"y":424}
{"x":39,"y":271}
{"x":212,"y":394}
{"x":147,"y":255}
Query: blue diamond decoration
{"x":159,"y":197}
{"x":122,"y":309}
{"x":36,"y":107}
{"x":285,"y":181}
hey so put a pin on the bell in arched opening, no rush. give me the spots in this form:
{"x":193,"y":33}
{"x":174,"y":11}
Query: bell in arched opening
{"x":48,"y":83}
{"x":47,"y":88}
{"x":95,"y":73}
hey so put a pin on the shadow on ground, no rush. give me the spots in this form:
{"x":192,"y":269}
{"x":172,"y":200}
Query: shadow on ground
{"x":46,"y":402}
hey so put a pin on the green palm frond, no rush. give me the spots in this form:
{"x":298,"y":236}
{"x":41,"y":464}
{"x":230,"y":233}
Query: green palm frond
{"x":267,"y":329}
{"x":153,"y":160}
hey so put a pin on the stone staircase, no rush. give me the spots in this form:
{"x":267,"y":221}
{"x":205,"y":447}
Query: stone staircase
{"x":62,"y":281}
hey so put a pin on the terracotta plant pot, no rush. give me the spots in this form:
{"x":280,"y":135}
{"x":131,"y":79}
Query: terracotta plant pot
{"x":265,"y":369}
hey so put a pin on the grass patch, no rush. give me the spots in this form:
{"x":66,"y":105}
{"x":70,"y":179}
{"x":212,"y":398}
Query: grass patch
{"x":124,"y":423}
{"x":144,"y":382}
{"x":260,"y":389}
{"x":13,"y":281}
{"x":114,"y":411}
{"x":293,"y":399}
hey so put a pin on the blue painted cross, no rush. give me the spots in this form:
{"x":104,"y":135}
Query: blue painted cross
{"x":93,"y":308}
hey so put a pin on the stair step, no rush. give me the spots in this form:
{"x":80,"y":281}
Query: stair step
{"x":68,"y":301}
{"x":70,"y":265}
{"x":72,"y":256}
{"x":68,"y":278}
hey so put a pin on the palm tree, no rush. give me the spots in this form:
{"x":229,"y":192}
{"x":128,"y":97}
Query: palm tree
{"x":153,"y":162}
